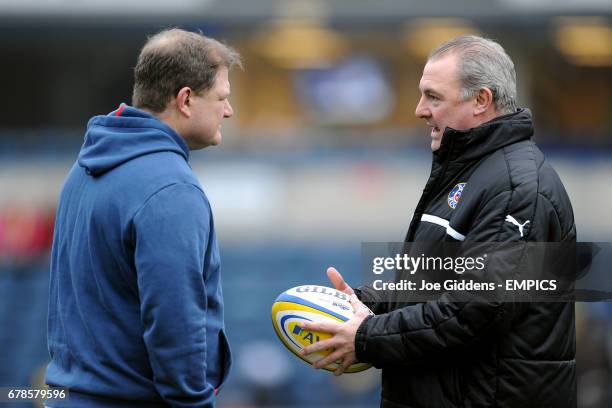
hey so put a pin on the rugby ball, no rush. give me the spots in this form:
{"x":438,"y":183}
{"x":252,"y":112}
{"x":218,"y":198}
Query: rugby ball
{"x":310,"y":303}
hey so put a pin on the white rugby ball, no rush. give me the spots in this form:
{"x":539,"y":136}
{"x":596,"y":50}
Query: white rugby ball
{"x":310,"y":303}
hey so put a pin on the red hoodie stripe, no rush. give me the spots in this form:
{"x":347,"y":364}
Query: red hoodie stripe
{"x":121,"y":107}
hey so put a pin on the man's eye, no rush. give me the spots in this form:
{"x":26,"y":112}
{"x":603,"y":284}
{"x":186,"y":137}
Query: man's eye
{"x":434,"y":98}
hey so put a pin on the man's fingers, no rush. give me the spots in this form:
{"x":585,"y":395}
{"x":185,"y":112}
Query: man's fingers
{"x":318,"y":346}
{"x":338,"y":281}
{"x":346,"y":363}
{"x":331,"y":358}
{"x":325,"y":327}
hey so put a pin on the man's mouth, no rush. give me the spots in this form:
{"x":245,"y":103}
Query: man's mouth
{"x":435,"y":131}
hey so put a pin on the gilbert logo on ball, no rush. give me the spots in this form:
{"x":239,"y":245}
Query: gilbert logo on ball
{"x":315,"y":304}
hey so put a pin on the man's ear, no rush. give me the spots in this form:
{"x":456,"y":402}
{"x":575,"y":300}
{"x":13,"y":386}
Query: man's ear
{"x":183,"y":101}
{"x":483,"y":101}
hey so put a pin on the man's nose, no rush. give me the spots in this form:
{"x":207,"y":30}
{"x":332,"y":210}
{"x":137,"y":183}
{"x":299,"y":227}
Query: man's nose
{"x":422,"y":111}
{"x":229,"y":111}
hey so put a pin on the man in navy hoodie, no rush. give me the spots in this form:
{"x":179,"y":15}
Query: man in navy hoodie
{"x":136,"y":307}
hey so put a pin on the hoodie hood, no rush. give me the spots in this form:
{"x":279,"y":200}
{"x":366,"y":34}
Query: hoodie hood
{"x":123,"y":135}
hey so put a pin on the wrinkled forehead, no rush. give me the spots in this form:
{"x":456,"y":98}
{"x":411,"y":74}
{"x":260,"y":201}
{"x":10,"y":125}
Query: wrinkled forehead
{"x":441,"y":71}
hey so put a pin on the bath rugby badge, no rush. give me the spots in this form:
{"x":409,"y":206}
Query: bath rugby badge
{"x":455,"y":195}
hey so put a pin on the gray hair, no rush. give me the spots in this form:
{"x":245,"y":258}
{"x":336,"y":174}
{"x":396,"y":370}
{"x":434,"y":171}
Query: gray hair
{"x":483,"y":63}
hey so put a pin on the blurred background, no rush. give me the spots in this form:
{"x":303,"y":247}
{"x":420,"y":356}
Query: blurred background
{"x":324,"y":152}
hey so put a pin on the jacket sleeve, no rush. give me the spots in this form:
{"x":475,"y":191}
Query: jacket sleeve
{"x":171,"y":234}
{"x":429,"y":331}
{"x":372,"y":299}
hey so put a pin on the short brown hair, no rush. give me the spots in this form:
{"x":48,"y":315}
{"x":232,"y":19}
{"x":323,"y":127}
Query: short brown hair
{"x":175,"y":58}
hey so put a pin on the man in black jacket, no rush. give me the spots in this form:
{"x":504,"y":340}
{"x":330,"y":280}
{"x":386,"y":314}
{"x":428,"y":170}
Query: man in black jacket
{"x":489,"y":183}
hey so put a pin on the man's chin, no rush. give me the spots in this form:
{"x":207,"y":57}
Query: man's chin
{"x":208,"y":143}
{"x":215,"y":141}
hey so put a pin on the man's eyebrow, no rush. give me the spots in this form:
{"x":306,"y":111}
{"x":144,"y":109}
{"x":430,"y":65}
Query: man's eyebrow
{"x":428,"y":90}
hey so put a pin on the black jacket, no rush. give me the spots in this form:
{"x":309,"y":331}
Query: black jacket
{"x":480,"y":354}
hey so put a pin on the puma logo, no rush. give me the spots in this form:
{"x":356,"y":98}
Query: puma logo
{"x":513,"y":220}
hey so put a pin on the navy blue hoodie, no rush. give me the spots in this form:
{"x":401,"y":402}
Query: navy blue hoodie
{"x":135,"y":308}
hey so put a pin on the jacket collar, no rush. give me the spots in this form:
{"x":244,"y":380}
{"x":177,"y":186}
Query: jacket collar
{"x":471,"y":144}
